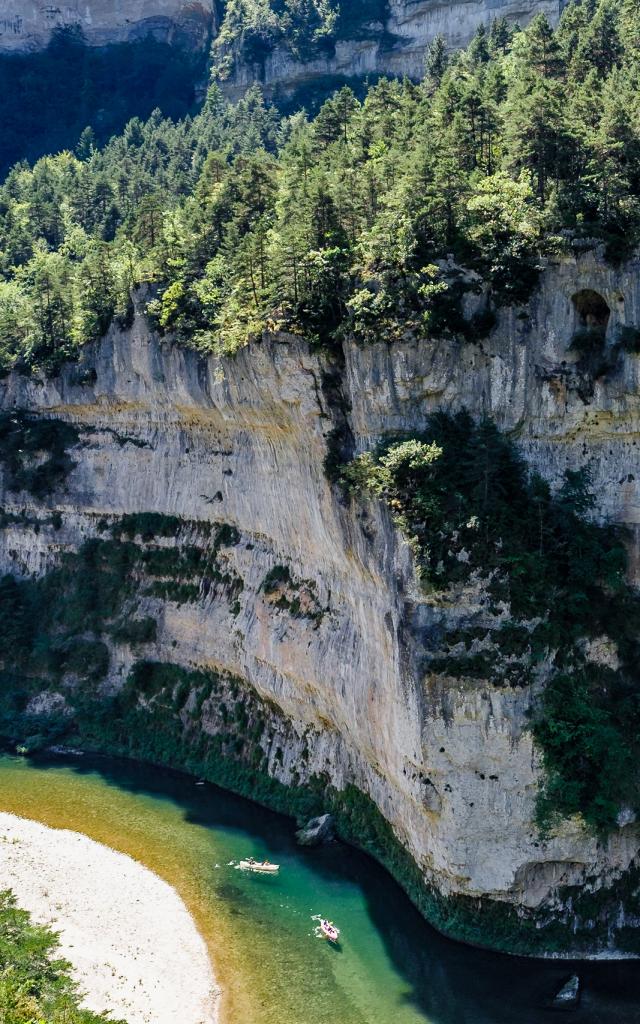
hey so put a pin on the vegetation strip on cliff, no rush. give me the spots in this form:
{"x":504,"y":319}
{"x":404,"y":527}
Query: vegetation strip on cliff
{"x":555,"y":582}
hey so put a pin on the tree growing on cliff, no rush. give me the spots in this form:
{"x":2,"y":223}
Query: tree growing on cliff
{"x":368,"y":218}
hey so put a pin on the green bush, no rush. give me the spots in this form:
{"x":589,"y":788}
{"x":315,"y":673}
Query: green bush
{"x":588,"y":728}
{"x":35,"y":984}
{"x":466,"y":501}
{"x":34,"y":451}
{"x":279,"y":574}
{"x":588,"y":342}
{"x":135,"y":631}
{"x":54,"y":626}
{"x":147,"y":525}
{"x":629,"y":338}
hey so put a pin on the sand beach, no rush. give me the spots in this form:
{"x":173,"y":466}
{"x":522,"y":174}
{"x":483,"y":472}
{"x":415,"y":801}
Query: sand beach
{"x":133,"y":946}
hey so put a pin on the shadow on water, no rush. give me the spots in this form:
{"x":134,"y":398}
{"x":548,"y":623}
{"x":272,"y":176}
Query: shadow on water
{"x":445,"y":982}
{"x":451,"y":982}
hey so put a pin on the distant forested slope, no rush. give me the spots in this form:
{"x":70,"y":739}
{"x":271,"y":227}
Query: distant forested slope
{"x":240,"y":219}
{"x":48,"y":98}
{"x":307,"y":28}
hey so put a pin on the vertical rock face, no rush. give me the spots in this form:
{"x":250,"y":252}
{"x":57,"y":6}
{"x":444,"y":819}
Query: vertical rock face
{"x":27,"y":24}
{"x":414,"y":23}
{"x":396,"y":45}
{"x":329,"y":626}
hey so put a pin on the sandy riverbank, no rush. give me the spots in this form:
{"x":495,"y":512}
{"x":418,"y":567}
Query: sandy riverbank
{"x":134,"y":948}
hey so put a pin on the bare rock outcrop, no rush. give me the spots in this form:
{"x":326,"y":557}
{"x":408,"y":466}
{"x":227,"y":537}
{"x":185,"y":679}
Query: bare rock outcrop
{"x":330,"y":625}
{"x":27,"y":25}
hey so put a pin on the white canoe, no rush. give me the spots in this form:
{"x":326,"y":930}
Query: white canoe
{"x":260,"y":867}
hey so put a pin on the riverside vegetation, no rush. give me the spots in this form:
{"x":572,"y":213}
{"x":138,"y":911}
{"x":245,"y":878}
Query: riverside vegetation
{"x":371,"y":220}
{"x":555,"y":580}
{"x":34,"y":985}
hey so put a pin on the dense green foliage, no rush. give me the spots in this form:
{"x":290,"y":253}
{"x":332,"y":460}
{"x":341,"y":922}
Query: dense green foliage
{"x":48,"y":99}
{"x":59,"y":626}
{"x":554,"y":580}
{"x":371,"y":220}
{"x":242,"y":220}
{"x":34,"y":452}
{"x":251,"y":29}
{"x":296,"y":596}
{"x":35,"y":988}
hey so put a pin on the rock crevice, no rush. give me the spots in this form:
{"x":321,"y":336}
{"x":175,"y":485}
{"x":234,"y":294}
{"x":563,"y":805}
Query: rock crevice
{"x":335,"y":642}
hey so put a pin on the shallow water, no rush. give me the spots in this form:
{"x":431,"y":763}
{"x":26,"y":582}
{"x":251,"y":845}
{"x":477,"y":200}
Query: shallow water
{"x":391,"y":968}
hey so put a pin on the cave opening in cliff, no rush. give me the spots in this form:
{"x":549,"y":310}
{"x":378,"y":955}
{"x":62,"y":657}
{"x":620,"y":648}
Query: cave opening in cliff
{"x":591,"y":316}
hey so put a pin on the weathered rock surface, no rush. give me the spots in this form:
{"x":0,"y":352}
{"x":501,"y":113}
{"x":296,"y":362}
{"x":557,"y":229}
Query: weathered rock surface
{"x":317,"y":831}
{"x":28,"y":24}
{"x":449,"y":762}
{"x":395,"y":46}
{"x":568,"y":996}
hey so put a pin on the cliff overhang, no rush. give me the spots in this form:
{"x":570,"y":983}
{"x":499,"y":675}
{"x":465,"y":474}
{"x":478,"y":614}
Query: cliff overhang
{"x":207,"y":598}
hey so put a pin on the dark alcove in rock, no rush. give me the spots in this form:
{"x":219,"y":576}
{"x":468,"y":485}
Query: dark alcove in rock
{"x":591,"y":319}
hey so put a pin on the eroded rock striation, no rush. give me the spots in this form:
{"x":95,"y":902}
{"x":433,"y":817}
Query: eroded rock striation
{"x":390,"y":39}
{"x":297,"y":633}
{"x":27,"y":25}
{"x":393,"y":41}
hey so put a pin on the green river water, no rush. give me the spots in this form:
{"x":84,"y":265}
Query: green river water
{"x":391,"y":967}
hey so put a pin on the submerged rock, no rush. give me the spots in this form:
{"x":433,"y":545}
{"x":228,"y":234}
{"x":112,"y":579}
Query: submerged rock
{"x":568,"y":996}
{"x":317,"y":831}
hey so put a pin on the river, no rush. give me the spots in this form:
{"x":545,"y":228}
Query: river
{"x":391,"y":967}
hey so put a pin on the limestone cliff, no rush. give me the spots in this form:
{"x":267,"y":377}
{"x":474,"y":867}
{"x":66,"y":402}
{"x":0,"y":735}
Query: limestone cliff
{"x":393,"y":45}
{"x":27,"y":25}
{"x":314,"y":605}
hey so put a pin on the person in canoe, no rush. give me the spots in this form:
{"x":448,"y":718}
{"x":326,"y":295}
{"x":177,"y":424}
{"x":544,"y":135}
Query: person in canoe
{"x":260,"y":867}
{"x":329,"y":930}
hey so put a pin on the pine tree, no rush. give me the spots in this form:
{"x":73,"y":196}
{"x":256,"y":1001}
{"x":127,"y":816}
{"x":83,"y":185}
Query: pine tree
{"x":478,"y":51}
{"x":536,"y":132}
{"x":87,"y":144}
{"x":615,"y":157}
{"x":499,"y":36}
{"x":600,"y":46}
{"x":538,"y":52}
{"x":436,"y":61}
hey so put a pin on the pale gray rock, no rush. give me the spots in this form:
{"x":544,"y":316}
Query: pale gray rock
{"x":27,"y":24}
{"x":397,"y":46}
{"x":568,"y":996}
{"x":449,"y":762}
{"x":317,"y":831}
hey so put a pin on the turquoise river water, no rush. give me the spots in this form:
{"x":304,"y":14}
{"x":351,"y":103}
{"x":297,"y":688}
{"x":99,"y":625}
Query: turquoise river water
{"x":391,"y":967}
